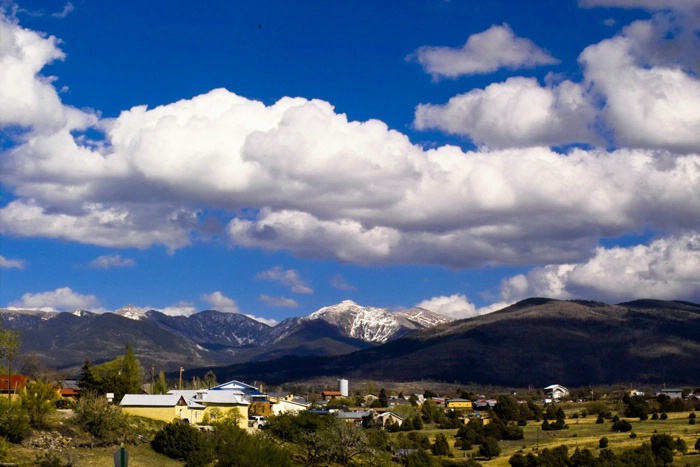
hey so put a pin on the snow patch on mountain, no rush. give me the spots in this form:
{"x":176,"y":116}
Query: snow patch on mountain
{"x":131,"y":312}
{"x":377,"y":325}
{"x":424,"y":318}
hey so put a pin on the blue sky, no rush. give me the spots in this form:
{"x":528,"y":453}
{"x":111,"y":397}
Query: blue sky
{"x":274,"y":157}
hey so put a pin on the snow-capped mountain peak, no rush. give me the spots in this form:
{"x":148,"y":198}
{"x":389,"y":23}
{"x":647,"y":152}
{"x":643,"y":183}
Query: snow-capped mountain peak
{"x":369,"y":324}
{"x":131,"y":312}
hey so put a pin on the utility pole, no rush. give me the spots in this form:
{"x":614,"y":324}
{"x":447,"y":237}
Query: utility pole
{"x":153,"y":377}
{"x":180,"y":386}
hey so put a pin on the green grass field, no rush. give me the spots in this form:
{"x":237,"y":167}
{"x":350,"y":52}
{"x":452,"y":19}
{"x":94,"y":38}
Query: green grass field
{"x":585,"y":433}
{"x":139,"y":456}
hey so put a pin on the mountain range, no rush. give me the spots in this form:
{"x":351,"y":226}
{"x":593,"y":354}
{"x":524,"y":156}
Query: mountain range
{"x":208,"y":338}
{"x":538,"y":341}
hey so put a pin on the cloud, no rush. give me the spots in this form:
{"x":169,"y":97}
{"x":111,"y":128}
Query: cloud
{"x":517,"y":112}
{"x":650,"y":86}
{"x":111,"y":261}
{"x":300,"y":177}
{"x":66,"y":10}
{"x":28,"y":99}
{"x":181,"y":308}
{"x":485,"y":52}
{"x":646,"y":4}
{"x":6,"y":263}
{"x":220,"y":302}
{"x":288,"y":277}
{"x":339,"y":282}
{"x":279,"y":302}
{"x":667,"y":268}
{"x":61,"y":299}
{"x":457,"y":306}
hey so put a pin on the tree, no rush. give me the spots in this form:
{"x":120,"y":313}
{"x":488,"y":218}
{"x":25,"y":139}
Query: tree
{"x":39,"y":400}
{"x":9,"y":347}
{"x":490,"y":448}
{"x":209,"y":379}
{"x":87,"y":381}
{"x":697,"y":445}
{"x":161,"y":385}
{"x":507,"y":408}
{"x":440,"y":447}
{"x":120,"y":376}
{"x":383,"y":398}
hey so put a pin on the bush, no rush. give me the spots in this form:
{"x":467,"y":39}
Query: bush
{"x":51,"y":459}
{"x":98,"y":417}
{"x":603,"y":442}
{"x":14,"y":422}
{"x":664,"y":416}
{"x":622,"y":426}
{"x":39,"y":400}
{"x":178,"y":440}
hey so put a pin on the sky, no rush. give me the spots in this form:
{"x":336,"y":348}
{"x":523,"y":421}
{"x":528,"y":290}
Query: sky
{"x":271,"y":157}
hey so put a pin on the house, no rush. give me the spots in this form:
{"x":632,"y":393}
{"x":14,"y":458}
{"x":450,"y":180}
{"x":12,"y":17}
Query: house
{"x":556,"y":392}
{"x":288,"y":406}
{"x":389,"y":418}
{"x":69,"y":389}
{"x":353,"y":417}
{"x":484,"y":404}
{"x":330,"y":395}
{"x":164,"y":407}
{"x":674,"y":393}
{"x":15,"y":384}
{"x":218,"y":402}
{"x":459,"y":404}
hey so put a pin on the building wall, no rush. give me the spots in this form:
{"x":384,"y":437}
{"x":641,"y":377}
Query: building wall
{"x":459,"y":405}
{"x":166,"y":414}
{"x":213,"y":411}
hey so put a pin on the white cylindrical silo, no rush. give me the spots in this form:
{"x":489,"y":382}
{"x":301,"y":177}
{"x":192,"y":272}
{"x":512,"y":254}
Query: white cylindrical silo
{"x":344,"y":387}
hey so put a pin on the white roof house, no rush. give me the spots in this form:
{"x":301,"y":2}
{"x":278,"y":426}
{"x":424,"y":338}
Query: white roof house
{"x":556,"y":391}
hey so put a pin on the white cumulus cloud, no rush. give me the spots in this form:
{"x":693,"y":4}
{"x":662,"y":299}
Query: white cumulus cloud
{"x":220,"y":302}
{"x":517,"y":112}
{"x":667,"y":268}
{"x":61,"y":299}
{"x":485,"y":52}
{"x":457,"y":306}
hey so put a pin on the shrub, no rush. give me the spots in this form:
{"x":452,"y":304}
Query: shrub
{"x":622,"y":426}
{"x":14,"y":422}
{"x":603,"y":442}
{"x":633,"y":435}
{"x":39,"y":400}
{"x":664,"y":416}
{"x":98,"y":417}
{"x":178,"y":440}
{"x":51,"y":459}
{"x":600,"y":419}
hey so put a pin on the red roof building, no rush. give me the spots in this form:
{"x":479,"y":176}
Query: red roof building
{"x":16,"y":383}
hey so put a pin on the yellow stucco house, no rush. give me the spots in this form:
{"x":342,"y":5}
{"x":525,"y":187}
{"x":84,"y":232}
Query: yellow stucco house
{"x":194,"y":406}
{"x":459,"y":404}
{"x":165,"y":407}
